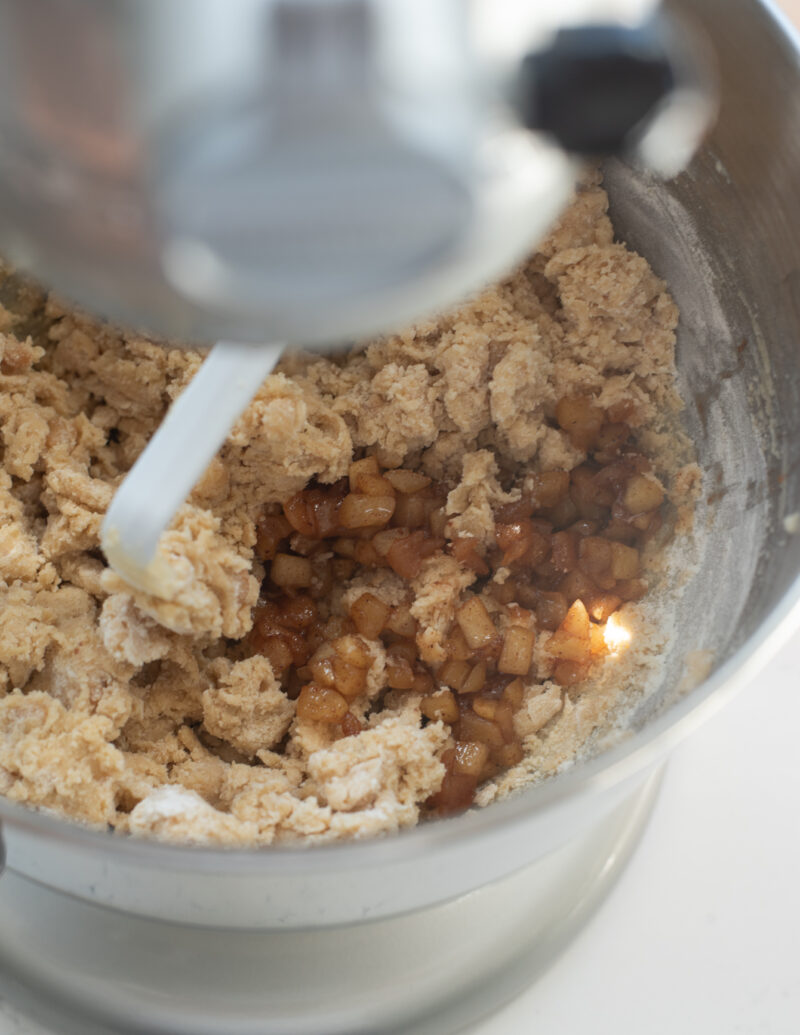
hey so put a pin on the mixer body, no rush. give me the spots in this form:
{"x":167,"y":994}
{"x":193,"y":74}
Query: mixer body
{"x":311,"y":170}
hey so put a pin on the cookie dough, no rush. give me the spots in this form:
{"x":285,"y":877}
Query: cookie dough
{"x":150,"y":716}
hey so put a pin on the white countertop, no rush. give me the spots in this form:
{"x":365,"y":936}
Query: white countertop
{"x":702,"y":933}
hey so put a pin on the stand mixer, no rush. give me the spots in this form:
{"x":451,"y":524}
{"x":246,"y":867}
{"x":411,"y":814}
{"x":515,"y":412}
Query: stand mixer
{"x":133,"y":138}
{"x":309,"y":171}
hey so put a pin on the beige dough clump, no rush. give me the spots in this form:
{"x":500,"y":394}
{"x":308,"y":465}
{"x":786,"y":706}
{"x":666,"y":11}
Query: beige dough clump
{"x":122,"y":709}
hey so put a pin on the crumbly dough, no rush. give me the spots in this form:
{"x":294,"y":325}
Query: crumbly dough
{"x":123,"y":709}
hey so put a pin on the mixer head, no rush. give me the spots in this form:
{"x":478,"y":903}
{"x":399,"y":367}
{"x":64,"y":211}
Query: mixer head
{"x":303,"y":170}
{"x":312,"y":170}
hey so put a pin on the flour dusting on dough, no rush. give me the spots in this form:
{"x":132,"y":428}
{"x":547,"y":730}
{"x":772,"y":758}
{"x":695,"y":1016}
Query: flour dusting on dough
{"x":119,"y":708}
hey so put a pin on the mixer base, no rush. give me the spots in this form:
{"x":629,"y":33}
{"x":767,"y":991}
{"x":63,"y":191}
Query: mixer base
{"x":85,"y":969}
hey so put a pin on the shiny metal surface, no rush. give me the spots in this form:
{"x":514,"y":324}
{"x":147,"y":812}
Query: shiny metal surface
{"x":82,"y":968}
{"x":302,"y":170}
{"x":726,"y":234}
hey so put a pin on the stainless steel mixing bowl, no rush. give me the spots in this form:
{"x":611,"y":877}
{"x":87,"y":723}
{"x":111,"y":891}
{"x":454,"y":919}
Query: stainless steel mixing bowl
{"x":277,"y":940}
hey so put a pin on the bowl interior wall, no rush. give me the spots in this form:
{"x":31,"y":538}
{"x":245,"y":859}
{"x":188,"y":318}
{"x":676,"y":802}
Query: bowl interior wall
{"x":725,"y":235}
